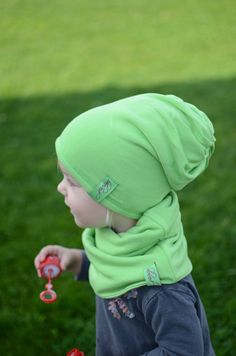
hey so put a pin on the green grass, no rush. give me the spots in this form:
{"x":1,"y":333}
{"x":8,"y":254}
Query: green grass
{"x":63,"y":57}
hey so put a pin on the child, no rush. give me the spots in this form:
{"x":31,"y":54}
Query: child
{"x":122,"y":164}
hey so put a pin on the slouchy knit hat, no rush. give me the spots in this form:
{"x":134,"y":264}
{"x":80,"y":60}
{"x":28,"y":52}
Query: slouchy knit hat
{"x":128,"y":155}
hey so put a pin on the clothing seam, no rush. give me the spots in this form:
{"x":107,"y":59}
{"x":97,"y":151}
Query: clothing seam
{"x":157,"y":293}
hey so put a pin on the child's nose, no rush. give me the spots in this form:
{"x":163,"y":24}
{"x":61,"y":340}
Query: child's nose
{"x":61,"y":188}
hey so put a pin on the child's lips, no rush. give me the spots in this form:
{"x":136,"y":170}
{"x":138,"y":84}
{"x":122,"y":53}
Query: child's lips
{"x":68,"y":206}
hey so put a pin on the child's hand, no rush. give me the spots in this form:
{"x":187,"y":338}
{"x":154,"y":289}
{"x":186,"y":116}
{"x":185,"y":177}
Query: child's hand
{"x":70,"y":258}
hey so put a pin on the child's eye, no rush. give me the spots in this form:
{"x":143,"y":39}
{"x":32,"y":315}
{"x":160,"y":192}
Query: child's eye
{"x":70,"y":182}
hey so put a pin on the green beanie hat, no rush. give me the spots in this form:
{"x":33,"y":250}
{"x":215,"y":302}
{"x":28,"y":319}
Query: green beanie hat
{"x":128,"y":155}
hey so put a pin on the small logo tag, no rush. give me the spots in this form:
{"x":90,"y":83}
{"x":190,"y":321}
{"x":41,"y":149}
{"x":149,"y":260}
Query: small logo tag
{"x":152,"y":276}
{"x":106,"y":186}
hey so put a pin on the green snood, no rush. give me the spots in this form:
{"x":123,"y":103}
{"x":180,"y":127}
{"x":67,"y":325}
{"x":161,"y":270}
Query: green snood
{"x":153,"y":252}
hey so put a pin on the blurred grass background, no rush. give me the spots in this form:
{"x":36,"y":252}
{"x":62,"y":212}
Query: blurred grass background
{"x":61,"y":58}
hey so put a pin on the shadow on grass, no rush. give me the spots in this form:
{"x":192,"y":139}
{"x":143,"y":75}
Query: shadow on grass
{"x":34,"y":215}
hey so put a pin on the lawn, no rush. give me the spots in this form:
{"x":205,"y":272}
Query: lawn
{"x":61,"y":58}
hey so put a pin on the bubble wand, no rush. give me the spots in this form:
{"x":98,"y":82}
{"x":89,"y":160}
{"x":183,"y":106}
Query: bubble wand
{"x":49,"y":269}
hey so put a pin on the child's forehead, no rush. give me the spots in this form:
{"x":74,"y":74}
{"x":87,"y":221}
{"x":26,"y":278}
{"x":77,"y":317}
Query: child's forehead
{"x":62,"y":169}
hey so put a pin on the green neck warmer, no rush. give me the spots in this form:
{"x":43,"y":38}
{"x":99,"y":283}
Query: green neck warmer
{"x":153,"y":252}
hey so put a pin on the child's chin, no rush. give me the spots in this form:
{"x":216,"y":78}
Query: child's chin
{"x":79,"y":223}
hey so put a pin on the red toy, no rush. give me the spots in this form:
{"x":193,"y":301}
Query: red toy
{"x":49,"y":269}
{"x":75,"y":352}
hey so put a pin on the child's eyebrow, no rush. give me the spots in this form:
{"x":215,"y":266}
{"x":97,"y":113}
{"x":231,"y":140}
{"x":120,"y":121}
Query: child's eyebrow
{"x":60,"y":168}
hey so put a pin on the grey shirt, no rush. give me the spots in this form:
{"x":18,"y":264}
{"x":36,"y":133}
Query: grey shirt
{"x":167,"y":320}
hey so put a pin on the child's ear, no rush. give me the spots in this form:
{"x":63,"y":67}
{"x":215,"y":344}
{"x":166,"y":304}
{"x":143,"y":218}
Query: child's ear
{"x":109,"y":218}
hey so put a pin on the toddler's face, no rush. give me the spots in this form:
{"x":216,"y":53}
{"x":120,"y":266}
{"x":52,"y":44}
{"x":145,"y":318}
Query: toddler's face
{"x":86,"y":212}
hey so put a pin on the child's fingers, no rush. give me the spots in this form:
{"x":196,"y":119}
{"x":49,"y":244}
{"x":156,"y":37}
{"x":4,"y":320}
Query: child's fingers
{"x":71,"y":260}
{"x":63,"y":264}
{"x":47,"y":250}
{"x":65,"y":260}
{"x":39,"y":274}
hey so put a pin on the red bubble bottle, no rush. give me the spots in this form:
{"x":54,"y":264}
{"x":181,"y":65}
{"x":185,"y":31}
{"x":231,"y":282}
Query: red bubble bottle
{"x":49,"y":269}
